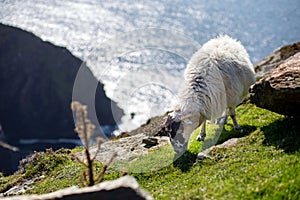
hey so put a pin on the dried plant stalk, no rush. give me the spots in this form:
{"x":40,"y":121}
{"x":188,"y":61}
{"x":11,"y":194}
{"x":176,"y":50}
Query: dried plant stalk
{"x":85,"y":130}
{"x":101,"y":175}
{"x":84,"y":127}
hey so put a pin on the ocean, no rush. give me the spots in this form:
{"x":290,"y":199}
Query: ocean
{"x":139,"y":49}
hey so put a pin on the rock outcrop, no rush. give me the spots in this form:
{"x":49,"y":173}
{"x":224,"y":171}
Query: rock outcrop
{"x":123,"y":188}
{"x":127,"y":148}
{"x":280,"y":90}
{"x":268,"y":64}
{"x":36,"y":85}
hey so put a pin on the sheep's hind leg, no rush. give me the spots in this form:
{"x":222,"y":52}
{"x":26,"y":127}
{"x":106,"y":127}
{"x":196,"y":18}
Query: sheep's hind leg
{"x":202,"y":134}
{"x":235,"y":123}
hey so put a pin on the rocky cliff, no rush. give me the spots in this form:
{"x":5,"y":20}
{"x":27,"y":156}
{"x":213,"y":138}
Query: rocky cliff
{"x":276,"y":58}
{"x":36,"y":84}
{"x":278,"y":89}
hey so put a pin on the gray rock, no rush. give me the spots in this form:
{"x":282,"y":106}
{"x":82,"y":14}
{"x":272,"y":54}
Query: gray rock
{"x":127,"y":148}
{"x":280,"y":90}
{"x":125,"y":187}
{"x":269,"y":63}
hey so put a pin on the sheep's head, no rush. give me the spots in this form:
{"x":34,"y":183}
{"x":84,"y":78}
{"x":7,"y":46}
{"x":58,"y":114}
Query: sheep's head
{"x":179,"y":129}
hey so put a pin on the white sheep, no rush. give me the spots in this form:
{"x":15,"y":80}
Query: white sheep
{"x":217,"y":79}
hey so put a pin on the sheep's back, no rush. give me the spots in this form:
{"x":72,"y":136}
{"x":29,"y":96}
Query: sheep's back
{"x":220,"y":74}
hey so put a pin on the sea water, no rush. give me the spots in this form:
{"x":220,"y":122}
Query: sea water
{"x":139,"y":49}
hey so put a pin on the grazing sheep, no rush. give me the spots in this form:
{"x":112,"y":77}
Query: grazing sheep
{"x":217,"y":79}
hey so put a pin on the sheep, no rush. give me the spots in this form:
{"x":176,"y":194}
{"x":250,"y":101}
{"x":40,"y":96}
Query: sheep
{"x":217,"y":79}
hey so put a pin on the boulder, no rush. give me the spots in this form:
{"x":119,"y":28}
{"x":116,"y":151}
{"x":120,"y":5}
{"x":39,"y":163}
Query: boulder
{"x":36,"y":85}
{"x":268,"y":64}
{"x":280,"y":90}
{"x":125,"y":187}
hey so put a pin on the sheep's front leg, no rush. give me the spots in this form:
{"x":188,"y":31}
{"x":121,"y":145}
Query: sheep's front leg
{"x":222,"y":120}
{"x":235,"y":123}
{"x":202,"y":134}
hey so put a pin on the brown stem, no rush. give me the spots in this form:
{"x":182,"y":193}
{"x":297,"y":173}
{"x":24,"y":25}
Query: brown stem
{"x":101,"y":175}
{"x":80,"y":161}
{"x":85,"y":133}
{"x":90,"y":168}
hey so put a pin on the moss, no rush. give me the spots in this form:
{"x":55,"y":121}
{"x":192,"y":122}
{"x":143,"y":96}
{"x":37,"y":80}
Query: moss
{"x":41,"y":163}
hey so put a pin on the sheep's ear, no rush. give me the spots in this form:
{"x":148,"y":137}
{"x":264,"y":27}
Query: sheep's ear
{"x":172,"y":117}
{"x":164,"y":130}
{"x":176,"y":116}
{"x":169,"y":119}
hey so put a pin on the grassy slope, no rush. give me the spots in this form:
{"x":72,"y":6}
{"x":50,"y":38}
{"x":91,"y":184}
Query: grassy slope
{"x":263,"y":164}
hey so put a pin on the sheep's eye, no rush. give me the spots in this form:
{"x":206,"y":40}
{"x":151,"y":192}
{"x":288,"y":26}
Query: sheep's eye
{"x":173,"y":128}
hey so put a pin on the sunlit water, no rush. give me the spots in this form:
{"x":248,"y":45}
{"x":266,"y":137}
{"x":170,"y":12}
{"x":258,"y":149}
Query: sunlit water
{"x":139,"y":49}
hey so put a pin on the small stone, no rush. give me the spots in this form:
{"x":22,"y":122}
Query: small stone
{"x":150,"y":141}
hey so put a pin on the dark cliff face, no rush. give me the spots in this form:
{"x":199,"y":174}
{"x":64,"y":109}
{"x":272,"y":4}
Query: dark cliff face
{"x":36,"y":84}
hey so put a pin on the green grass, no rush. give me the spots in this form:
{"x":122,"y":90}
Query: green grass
{"x":152,"y":162}
{"x":264,"y":164}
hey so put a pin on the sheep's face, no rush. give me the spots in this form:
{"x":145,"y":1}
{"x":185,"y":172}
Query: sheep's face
{"x":179,"y":131}
{"x":175,"y":133}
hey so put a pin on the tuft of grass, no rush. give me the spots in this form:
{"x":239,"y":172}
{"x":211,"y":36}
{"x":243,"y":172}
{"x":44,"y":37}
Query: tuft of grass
{"x":38,"y":167}
{"x":60,"y":172}
{"x":41,"y":163}
{"x":51,"y":171}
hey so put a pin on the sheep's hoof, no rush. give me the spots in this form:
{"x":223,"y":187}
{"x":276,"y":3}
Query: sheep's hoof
{"x":200,"y":138}
{"x":239,"y":129}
